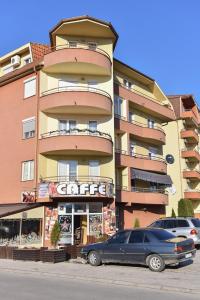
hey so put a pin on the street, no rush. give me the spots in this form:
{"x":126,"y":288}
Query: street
{"x":36,"y":280}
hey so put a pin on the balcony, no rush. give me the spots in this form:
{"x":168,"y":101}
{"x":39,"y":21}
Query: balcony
{"x":190,"y":136}
{"x":191,"y":154}
{"x":73,"y":99}
{"x":145,"y":103}
{"x":154,"y":135}
{"x":74,"y":186}
{"x":78,"y":59}
{"x":139,"y":161}
{"x":190,"y":118}
{"x":192,"y":194}
{"x":192,"y":175}
{"x":76,"y":142}
{"x":142,"y":196}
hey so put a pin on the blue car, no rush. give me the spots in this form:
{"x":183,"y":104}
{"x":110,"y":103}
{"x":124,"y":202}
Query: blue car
{"x":153,"y":247}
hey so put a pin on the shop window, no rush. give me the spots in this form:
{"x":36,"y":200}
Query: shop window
{"x":80,"y":207}
{"x":31,"y":231}
{"x":9,"y":232}
{"x":29,"y":87}
{"x":95,"y":207}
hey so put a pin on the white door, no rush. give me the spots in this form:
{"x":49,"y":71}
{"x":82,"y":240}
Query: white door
{"x":67,"y":170}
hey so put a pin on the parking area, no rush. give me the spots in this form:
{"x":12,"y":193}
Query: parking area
{"x":184,"y":279}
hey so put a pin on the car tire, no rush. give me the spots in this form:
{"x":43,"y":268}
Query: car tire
{"x":94,"y":259}
{"x":155,"y":263}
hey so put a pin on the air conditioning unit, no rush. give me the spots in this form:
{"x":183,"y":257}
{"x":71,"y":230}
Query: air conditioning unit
{"x":15,"y":60}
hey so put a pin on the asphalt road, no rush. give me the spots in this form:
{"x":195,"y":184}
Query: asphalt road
{"x":15,"y":285}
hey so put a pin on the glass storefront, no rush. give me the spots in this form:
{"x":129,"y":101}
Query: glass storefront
{"x":79,"y":220}
{"x":20,"y":232}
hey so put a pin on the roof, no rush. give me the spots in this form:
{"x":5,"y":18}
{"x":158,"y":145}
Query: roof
{"x":10,"y":209}
{"x":79,"y":18}
{"x":38,"y":50}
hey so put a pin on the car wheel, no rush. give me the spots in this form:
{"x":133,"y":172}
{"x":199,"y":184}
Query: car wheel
{"x":155,"y":263}
{"x":94,"y":258}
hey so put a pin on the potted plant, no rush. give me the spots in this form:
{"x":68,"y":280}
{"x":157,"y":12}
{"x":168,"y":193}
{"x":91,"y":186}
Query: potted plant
{"x":54,"y":255}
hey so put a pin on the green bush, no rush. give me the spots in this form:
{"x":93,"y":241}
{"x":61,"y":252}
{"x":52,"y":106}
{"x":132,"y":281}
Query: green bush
{"x":136,"y":223}
{"x":55,"y":234}
{"x":185,"y":208}
{"x":173,"y":213}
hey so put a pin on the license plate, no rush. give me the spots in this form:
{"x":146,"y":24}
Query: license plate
{"x":188,"y":255}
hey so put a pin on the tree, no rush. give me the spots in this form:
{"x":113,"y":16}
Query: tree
{"x":55,"y":234}
{"x":173,"y":213}
{"x":185,"y":208}
{"x":136,"y":223}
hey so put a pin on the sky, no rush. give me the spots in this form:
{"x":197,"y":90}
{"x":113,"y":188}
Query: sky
{"x":160,"y":38}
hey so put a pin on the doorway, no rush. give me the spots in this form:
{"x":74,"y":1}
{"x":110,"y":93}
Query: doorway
{"x":80,"y":229}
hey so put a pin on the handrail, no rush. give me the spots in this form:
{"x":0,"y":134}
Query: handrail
{"x":76,"y":88}
{"x":194,"y":170}
{"x":194,"y":191}
{"x":190,"y":129}
{"x":79,"y":45}
{"x":142,"y":94}
{"x":76,"y":131}
{"x":138,"y":155}
{"x":196,"y":149}
{"x":91,"y":179}
{"x":156,"y":127}
{"x":140,"y":190}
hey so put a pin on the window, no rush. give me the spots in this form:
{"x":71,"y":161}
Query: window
{"x":28,"y":170}
{"x":67,"y":168}
{"x":72,"y":44}
{"x":28,"y":128}
{"x":27,"y":60}
{"x":182,"y":223}
{"x":67,"y":125}
{"x":131,"y":116}
{"x":29,"y":87}
{"x":119,"y":238}
{"x":92,"y":45}
{"x":94,"y":169}
{"x":169,"y":224}
{"x":92,"y":85}
{"x":7,"y":69}
{"x":93,"y":125}
{"x":67,"y":84}
{"x":157,"y":224}
{"x":196,"y":222}
{"x":127,"y":83}
{"x":95,"y":207}
{"x":151,"y":123}
{"x":132,"y":148}
{"x":118,"y":106}
{"x":152,"y":152}
{"x":136,"y":237}
{"x":161,"y":235}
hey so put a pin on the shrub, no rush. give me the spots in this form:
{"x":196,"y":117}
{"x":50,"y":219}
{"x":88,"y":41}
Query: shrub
{"x":136,"y":223}
{"x":185,"y":208}
{"x":55,"y":234}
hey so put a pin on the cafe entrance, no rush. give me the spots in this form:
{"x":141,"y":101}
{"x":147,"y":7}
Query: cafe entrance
{"x":78,"y":221}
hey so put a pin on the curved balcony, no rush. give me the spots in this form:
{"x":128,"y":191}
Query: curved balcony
{"x":192,"y":175}
{"x":190,"y":135}
{"x":76,"y":142}
{"x":139,"y":161}
{"x":191,"y":154}
{"x":142,"y":196}
{"x":192,"y":194}
{"x":80,"y":59}
{"x":154,"y":135}
{"x":145,"y":103}
{"x":73,"y":99}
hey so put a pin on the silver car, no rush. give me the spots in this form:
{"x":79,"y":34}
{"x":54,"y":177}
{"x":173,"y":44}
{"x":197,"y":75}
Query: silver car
{"x":187,"y":227}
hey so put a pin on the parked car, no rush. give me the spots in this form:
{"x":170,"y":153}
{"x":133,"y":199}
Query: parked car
{"x":187,"y":227}
{"x":147,"y":246}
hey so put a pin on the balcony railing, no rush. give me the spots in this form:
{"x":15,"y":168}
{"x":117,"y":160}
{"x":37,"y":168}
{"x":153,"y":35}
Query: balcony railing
{"x":77,"y":131}
{"x":196,"y":149}
{"x":77,"y":45}
{"x":140,"y":190}
{"x":142,"y":156}
{"x":157,"y":127}
{"x":74,"y":178}
{"x":76,"y":88}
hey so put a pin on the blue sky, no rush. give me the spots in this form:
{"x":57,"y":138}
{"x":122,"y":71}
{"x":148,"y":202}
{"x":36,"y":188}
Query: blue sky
{"x":160,"y":38}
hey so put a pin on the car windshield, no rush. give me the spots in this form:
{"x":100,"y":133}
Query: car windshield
{"x":196,"y":222}
{"x":162,"y":235}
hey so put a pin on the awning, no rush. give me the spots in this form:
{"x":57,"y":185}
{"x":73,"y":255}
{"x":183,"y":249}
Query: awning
{"x":150,"y":176}
{"x":10,"y":209}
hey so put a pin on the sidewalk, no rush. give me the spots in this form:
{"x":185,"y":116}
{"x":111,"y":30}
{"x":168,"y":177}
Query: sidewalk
{"x":185,"y":279}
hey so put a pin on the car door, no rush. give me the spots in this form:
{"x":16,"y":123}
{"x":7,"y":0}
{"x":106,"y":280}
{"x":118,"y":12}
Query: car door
{"x":114,"y":248}
{"x":134,"y":250}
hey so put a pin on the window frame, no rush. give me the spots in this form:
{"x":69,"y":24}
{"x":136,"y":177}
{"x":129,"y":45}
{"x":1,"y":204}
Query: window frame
{"x":23,"y":133}
{"x":29,"y":80}
{"x":29,"y":177}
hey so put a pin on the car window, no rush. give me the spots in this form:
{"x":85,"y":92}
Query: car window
{"x":119,"y":238}
{"x":157,"y":224}
{"x":136,"y":237}
{"x":196,"y":222}
{"x":182,"y":223}
{"x":161,"y":235}
{"x":167,"y":224}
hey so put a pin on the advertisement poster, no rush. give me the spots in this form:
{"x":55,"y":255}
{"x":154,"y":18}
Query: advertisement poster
{"x":109,"y":220}
{"x":95,"y":222}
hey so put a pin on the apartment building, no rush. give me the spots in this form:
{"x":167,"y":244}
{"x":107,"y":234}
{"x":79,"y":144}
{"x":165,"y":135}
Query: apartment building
{"x":82,"y":138}
{"x":183,"y":152}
